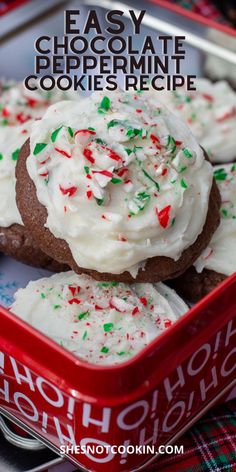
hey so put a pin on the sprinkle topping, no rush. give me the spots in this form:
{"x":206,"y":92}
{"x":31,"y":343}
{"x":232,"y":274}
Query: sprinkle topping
{"x":123,"y":177}
{"x":110,"y":324}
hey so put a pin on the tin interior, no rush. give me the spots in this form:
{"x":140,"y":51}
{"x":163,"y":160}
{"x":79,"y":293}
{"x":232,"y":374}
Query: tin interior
{"x":28,"y":25}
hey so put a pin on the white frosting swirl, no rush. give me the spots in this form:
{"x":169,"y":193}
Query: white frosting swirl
{"x":18,"y":109}
{"x":103,"y":323}
{"x":122,"y":180}
{"x":210,"y":112}
{"x":220,"y":256}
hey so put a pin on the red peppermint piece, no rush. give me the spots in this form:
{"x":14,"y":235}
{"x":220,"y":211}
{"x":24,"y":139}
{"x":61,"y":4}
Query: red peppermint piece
{"x":226,"y":116}
{"x":143,"y":300}
{"x":135,"y":311}
{"x":167,"y":323}
{"x":164,"y":216}
{"x":83,"y":136}
{"x":122,"y":171}
{"x":89,"y":194}
{"x":62,"y":152}
{"x":107,"y":173}
{"x":5,"y":112}
{"x":74,"y":289}
{"x":32,"y":102}
{"x":22,"y":118}
{"x":85,"y":132}
{"x":208,"y":97}
{"x":122,"y":238}
{"x":155,"y":141}
{"x":113,"y":155}
{"x":88,"y":154}
{"x":74,"y":300}
{"x":70,"y":191}
{"x":164,"y":171}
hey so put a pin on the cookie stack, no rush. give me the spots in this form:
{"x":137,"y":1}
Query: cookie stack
{"x":19,"y":109}
{"x":116,"y":187}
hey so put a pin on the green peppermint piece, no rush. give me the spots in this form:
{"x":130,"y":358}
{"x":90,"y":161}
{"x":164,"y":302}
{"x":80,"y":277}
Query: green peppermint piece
{"x":150,"y":178}
{"x":233,"y":168}
{"x":108,"y":327}
{"x":171,"y":145}
{"x":129,"y":151}
{"x":113,"y":123}
{"x":220,"y":174}
{"x":133,"y":132}
{"x":55,"y":133}
{"x":81,"y":316}
{"x":38,"y":148}
{"x":121,"y":353}
{"x":224,"y":212}
{"x":15,"y":154}
{"x":1,"y":156}
{"x":183,"y":183}
{"x":84,"y":335}
{"x":105,"y":349}
{"x":100,"y":141}
{"x":99,"y":201}
{"x":86,"y":168}
{"x":115,"y":180}
{"x":105,"y":104}
{"x":56,"y":307}
{"x":70,"y":131}
{"x":139,"y":202}
{"x":187,"y":153}
{"x":43,"y":296}
{"x":108,"y":284}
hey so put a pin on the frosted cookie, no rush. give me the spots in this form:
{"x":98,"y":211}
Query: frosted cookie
{"x":102,"y":323}
{"x":18,"y":110}
{"x":118,"y":188}
{"x":210,"y":112}
{"x":218,"y":260}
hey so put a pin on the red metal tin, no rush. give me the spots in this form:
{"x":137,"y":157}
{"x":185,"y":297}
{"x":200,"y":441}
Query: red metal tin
{"x":148,"y":400}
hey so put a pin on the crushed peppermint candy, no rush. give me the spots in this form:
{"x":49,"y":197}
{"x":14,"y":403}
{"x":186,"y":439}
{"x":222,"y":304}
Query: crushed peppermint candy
{"x":91,"y":318}
{"x":127,"y":173}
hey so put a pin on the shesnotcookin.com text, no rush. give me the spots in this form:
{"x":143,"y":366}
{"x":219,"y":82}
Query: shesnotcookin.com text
{"x":100,"y":449}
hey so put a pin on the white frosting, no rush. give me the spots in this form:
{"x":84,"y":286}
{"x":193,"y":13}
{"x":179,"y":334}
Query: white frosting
{"x":210,"y":112}
{"x":103,"y":323}
{"x":133,"y":187}
{"x":18,"y":109}
{"x":218,"y":68}
{"x":220,"y":256}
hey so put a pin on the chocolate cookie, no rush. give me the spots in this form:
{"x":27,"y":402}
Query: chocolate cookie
{"x":218,"y":260}
{"x":19,"y":108}
{"x":17,"y":242}
{"x":194,"y":286}
{"x":34,"y":216}
{"x":121,"y":185}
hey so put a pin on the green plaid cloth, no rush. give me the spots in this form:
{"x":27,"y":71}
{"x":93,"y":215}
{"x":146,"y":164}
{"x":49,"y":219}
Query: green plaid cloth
{"x":209,"y":446}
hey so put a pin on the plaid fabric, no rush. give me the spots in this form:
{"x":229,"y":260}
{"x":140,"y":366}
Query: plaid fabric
{"x":209,"y":446}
